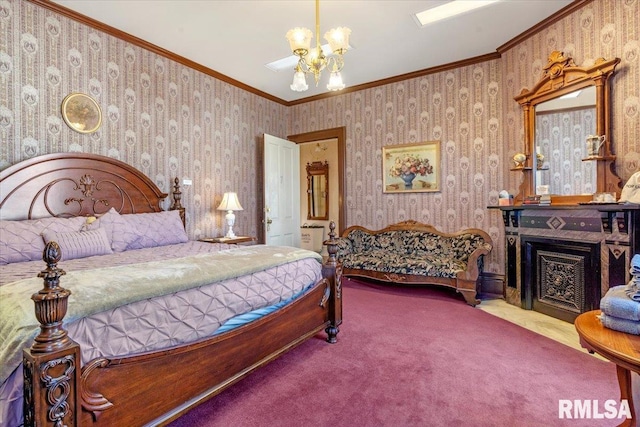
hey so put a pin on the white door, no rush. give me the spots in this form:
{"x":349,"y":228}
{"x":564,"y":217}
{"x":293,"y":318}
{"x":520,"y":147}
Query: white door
{"x":281,"y":192}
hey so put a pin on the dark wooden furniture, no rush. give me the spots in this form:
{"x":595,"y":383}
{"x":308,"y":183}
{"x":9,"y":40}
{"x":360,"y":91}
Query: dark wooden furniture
{"x":154,"y":387}
{"x":561,"y":259}
{"x":465,"y":281}
{"x":618,"y":347}
{"x":229,"y":241}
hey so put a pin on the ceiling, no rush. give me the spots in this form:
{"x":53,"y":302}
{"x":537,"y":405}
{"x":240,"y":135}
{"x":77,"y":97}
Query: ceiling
{"x":237,"y":38}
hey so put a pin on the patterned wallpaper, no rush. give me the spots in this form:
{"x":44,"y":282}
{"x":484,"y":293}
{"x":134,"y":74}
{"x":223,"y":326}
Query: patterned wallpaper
{"x":602,"y":28}
{"x":460,"y":108}
{"x":163,"y":118}
{"x":472,"y":111}
{"x":168,"y":120}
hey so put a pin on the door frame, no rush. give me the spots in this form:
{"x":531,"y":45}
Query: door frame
{"x":340,"y":134}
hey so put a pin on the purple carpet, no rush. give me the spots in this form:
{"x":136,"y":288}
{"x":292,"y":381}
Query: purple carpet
{"x":415,"y":357}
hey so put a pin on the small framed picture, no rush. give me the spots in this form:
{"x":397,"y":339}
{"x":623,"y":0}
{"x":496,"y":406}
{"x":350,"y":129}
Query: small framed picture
{"x":81,"y":113}
{"x":411,"y":168}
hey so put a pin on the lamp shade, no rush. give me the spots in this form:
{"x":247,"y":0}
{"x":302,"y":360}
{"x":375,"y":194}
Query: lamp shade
{"x":230,"y":202}
{"x":338,"y":39}
{"x":299,"y":39}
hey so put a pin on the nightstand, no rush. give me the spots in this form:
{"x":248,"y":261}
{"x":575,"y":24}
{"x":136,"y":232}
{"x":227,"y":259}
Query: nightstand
{"x":238,"y":240}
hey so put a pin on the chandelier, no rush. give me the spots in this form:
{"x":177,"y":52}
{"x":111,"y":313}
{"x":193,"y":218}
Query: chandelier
{"x":314,"y":61}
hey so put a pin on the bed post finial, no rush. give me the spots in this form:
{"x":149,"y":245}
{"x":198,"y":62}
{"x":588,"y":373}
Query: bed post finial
{"x":332,"y":271}
{"x":51,"y":367}
{"x":177,"y":195}
{"x":176,"y":205}
{"x":51,"y":304}
{"x":332,"y":243}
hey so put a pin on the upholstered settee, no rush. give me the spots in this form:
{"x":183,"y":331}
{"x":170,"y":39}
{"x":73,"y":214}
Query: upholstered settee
{"x":414,"y":253}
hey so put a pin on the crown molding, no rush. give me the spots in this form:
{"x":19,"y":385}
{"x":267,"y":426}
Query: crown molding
{"x":570,"y":8}
{"x":407,"y":76}
{"x":112,"y":31}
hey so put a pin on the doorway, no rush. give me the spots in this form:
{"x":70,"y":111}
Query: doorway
{"x":339,"y":135}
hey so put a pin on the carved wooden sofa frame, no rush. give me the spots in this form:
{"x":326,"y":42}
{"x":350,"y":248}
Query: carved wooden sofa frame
{"x":464,"y":282}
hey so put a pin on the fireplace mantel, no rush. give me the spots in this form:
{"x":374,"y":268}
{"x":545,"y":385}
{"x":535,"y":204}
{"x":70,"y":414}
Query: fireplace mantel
{"x":561,"y":259}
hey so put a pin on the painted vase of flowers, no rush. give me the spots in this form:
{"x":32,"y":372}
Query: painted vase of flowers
{"x":408,"y":179}
{"x":408,"y":166}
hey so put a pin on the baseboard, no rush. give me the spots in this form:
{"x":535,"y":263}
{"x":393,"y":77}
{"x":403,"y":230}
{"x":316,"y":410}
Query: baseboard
{"x":491,"y":285}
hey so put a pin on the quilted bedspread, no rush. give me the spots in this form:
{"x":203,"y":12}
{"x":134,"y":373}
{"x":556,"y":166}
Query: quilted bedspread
{"x":102,"y":289}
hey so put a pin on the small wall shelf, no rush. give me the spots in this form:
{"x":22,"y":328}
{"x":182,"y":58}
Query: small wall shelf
{"x":588,"y":159}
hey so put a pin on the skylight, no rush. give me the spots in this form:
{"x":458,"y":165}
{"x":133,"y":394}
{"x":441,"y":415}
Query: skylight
{"x":451,"y":9}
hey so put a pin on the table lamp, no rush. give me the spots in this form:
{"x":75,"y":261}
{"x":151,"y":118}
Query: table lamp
{"x":230,"y":203}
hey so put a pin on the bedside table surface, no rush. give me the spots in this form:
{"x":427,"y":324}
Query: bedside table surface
{"x":230,"y":241}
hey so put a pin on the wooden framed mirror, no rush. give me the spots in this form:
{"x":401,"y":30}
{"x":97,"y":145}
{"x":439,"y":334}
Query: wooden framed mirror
{"x":573,"y":104}
{"x":318,"y":190}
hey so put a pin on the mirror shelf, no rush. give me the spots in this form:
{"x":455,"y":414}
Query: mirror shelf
{"x":561,"y":78}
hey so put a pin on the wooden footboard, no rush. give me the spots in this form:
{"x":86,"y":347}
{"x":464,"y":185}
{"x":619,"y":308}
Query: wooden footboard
{"x":156,"y":387}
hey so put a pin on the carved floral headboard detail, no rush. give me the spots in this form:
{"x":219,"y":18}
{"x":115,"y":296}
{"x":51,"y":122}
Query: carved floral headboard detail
{"x":75,"y":184}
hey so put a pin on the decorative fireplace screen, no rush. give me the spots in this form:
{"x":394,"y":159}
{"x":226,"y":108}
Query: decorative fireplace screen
{"x":561,"y":278}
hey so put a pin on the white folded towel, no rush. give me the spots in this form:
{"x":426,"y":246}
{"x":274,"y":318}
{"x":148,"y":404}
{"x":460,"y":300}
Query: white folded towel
{"x":618,"y":303}
{"x":621,"y":325}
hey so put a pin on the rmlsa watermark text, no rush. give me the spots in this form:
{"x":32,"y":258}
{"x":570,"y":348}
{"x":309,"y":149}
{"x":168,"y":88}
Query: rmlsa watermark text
{"x":593,"y":409}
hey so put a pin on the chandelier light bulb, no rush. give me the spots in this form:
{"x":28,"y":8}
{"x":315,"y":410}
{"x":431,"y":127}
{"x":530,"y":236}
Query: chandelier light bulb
{"x":299,"y":82}
{"x":335,"y":81}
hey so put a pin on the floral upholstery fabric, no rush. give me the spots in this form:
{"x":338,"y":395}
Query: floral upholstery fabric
{"x":409,"y":252}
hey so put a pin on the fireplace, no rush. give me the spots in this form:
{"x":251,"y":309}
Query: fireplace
{"x":560,"y":278}
{"x":562,"y":259}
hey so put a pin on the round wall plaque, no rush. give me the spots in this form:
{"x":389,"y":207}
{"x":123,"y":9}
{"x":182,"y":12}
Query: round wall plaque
{"x":81,"y":112}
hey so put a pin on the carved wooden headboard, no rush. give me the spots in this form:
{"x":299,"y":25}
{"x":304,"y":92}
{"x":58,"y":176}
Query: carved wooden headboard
{"x":76,"y":184}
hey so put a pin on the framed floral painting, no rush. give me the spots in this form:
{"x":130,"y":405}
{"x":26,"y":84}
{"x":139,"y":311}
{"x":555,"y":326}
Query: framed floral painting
{"x":410,"y":168}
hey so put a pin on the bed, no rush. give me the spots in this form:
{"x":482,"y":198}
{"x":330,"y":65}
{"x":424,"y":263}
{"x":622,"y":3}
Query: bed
{"x":88,"y":369}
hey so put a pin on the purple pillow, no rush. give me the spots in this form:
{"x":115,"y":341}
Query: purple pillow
{"x":118,"y":230}
{"x":156,"y":229}
{"x":21,"y":241}
{"x":80,"y":244}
